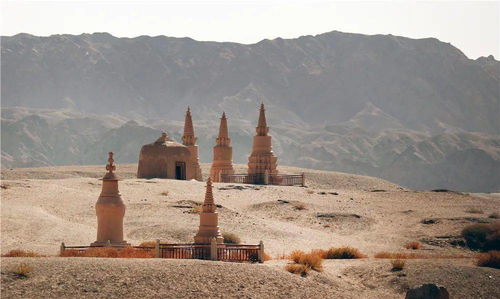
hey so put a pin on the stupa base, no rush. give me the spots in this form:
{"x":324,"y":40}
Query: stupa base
{"x":113,"y":244}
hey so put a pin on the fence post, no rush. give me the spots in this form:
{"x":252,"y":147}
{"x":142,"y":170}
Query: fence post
{"x":213,"y":249}
{"x":219,"y":176}
{"x":157,"y":248}
{"x":62,"y":248}
{"x":266,"y":177}
{"x":303,"y":180}
{"x":261,"y":252}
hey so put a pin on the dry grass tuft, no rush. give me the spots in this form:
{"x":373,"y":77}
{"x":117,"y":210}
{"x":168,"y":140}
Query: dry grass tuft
{"x":295,"y":255}
{"x":304,"y":262}
{"x":164,"y":193}
{"x":310,"y":191}
{"x":474,"y":210}
{"x":23,"y":270}
{"x":345,"y":252}
{"x":127,"y":252}
{"x":230,"y":238}
{"x":398,"y":265}
{"x":301,"y":269}
{"x":489,"y":259}
{"x":413,"y":245}
{"x":299,"y":206}
{"x":312,"y":260}
{"x":267,"y":257}
{"x":22,"y":253}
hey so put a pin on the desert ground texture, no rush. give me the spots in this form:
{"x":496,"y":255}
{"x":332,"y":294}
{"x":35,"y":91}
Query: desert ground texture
{"x":42,"y":207}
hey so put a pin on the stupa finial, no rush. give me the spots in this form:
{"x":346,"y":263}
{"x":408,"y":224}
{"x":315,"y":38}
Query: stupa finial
{"x":110,"y":167}
{"x":262,"y":128}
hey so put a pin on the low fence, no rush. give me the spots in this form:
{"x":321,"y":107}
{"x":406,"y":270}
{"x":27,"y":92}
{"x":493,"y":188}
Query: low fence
{"x":212,"y":251}
{"x":265,"y":179}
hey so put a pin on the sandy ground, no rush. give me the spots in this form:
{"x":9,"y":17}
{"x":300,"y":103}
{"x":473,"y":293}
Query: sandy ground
{"x":42,"y":207}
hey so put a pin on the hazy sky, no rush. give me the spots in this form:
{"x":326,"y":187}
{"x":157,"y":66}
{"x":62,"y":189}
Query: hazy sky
{"x":473,"y":27}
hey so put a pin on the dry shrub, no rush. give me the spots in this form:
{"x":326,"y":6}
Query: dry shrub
{"x":296,"y":255}
{"x":301,"y":269}
{"x":230,"y":238}
{"x":22,"y":253}
{"x":148,"y":244}
{"x":312,"y":260}
{"x":127,"y":252}
{"x":489,"y":259}
{"x":484,"y":237}
{"x":310,"y":191}
{"x":494,"y":215}
{"x":164,"y":193}
{"x":413,"y":245}
{"x":299,"y":206}
{"x":267,"y":257}
{"x":397,"y":265}
{"x":474,"y":210}
{"x":345,"y":252}
{"x":130,"y":252}
{"x":23,"y":270}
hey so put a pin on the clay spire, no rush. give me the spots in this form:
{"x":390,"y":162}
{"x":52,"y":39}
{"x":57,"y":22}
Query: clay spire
{"x":110,"y":210}
{"x":223,"y":139}
{"x":209,"y":219}
{"x":188,"y":138}
{"x":223,"y":153}
{"x":262,"y":128}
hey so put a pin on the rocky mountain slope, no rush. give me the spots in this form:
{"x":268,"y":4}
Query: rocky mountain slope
{"x":417,"y":112}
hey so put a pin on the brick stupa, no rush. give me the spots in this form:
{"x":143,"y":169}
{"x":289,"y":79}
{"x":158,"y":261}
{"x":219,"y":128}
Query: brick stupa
{"x":223,"y":153}
{"x":189,"y":140}
{"x":262,"y":158}
{"x":110,"y":210}
{"x":209,"y":220}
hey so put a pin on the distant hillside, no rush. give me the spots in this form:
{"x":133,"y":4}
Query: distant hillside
{"x":416,"y":112}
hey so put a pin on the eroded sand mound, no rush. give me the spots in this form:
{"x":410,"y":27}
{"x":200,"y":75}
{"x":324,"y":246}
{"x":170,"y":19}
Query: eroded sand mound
{"x":159,"y":278}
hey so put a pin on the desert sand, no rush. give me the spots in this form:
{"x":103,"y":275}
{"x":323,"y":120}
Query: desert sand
{"x":42,"y":207}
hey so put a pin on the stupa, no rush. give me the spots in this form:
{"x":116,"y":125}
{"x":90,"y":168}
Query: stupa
{"x":223,"y":153}
{"x":167,"y":159}
{"x":110,"y":210}
{"x":189,"y":140}
{"x":262,"y":158}
{"x":209,"y":220}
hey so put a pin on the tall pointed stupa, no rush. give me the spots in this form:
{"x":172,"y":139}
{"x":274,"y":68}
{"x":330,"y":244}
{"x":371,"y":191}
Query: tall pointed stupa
{"x":189,"y":140}
{"x":110,"y":210}
{"x":262,"y":157}
{"x":223,"y":152}
{"x":209,"y":219}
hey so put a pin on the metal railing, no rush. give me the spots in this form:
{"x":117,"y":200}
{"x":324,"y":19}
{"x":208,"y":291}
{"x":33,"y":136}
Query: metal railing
{"x":265,"y":179}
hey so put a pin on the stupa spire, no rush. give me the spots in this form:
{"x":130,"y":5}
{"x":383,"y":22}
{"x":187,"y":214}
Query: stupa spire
{"x":188,"y":138}
{"x":208,"y":204}
{"x":262,"y":129}
{"x":223,"y":138}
